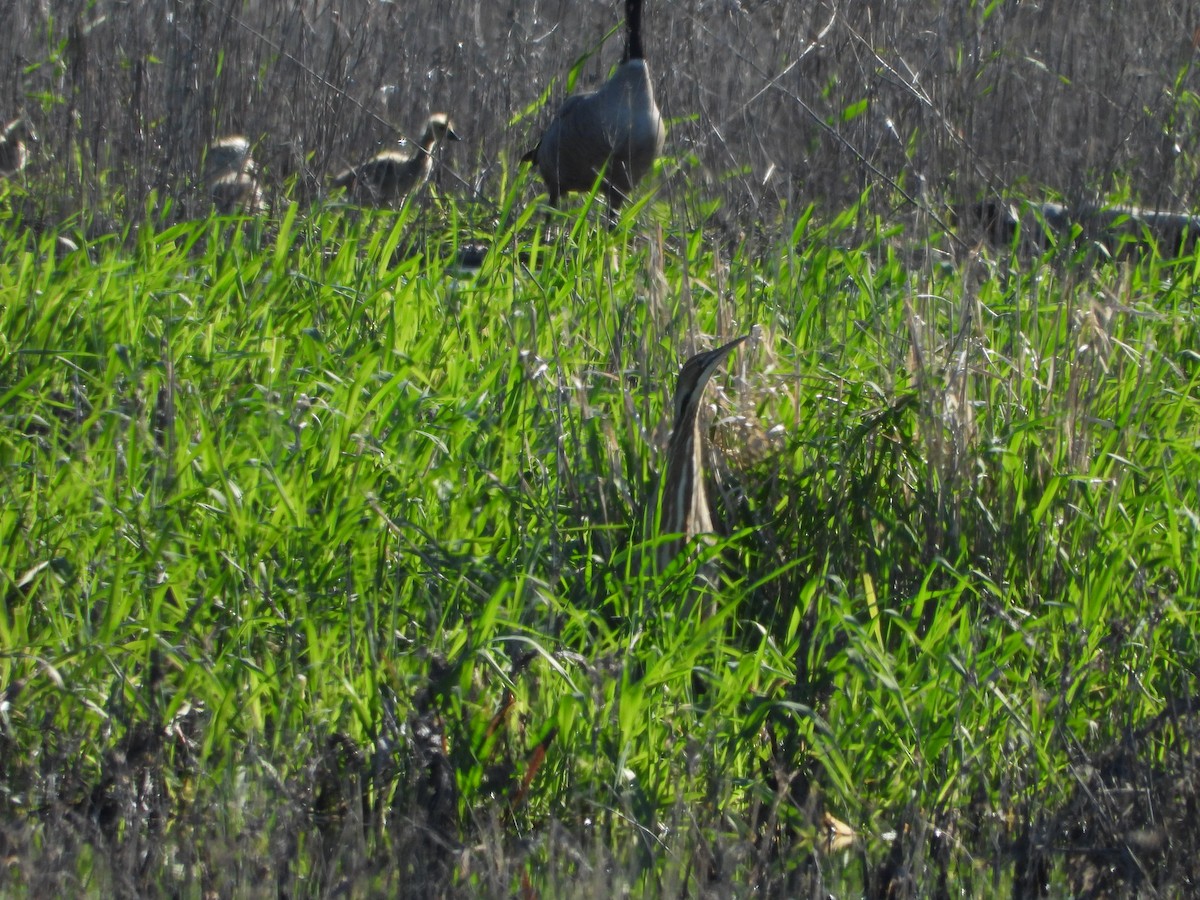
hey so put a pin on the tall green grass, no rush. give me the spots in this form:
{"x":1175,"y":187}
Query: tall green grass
{"x":325,"y":565}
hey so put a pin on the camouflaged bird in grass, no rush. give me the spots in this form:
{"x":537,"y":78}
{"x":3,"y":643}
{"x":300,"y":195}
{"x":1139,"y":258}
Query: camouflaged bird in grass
{"x":683,"y":509}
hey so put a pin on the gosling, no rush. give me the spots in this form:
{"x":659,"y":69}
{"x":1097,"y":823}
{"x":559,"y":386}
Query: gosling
{"x":232,"y":176}
{"x":616,"y":130}
{"x":392,"y":175}
{"x":13,"y":153}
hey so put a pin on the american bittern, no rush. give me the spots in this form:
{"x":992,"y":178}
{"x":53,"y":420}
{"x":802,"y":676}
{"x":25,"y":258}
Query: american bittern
{"x":684,"y":512}
{"x":13,"y":153}
{"x":616,"y":130}
{"x":391,"y":175}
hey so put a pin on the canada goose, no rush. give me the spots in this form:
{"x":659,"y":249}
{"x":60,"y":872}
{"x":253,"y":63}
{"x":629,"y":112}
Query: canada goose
{"x":1125,"y":229}
{"x":1115,"y":230}
{"x":1000,"y":221}
{"x":13,"y":152}
{"x":616,"y":130}
{"x":391,"y":175}
{"x":232,"y":176}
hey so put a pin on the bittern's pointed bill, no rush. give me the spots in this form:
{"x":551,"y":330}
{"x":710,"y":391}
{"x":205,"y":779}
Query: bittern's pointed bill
{"x":683,"y":510}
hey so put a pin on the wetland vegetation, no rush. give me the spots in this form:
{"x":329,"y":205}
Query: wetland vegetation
{"x":325,"y":564}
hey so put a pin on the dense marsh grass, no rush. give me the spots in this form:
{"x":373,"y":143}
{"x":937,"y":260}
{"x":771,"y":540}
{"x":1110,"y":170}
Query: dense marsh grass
{"x":325,"y":567}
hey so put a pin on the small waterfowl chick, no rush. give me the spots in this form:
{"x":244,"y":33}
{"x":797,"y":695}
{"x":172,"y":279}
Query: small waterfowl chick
{"x":229,"y":154}
{"x":238,"y":192}
{"x":390,"y":176}
{"x":14,"y":154}
{"x":232,"y":176}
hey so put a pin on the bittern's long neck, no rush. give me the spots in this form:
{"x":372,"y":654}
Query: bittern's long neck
{"x":684,"y":511}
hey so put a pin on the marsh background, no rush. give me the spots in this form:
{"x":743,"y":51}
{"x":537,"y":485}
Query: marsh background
{"x":322,"y":563}
{"x":772,"y":105}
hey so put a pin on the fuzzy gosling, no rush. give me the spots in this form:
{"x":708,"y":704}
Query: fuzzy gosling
{"x":13,"y":152}
{"x":390,"y":176}
{"x":232,"y":176}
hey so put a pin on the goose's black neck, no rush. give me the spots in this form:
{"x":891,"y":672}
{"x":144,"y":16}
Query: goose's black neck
{"x":633,"y":25}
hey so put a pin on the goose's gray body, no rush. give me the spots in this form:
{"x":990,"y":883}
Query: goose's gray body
{"x":617,"y":130}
